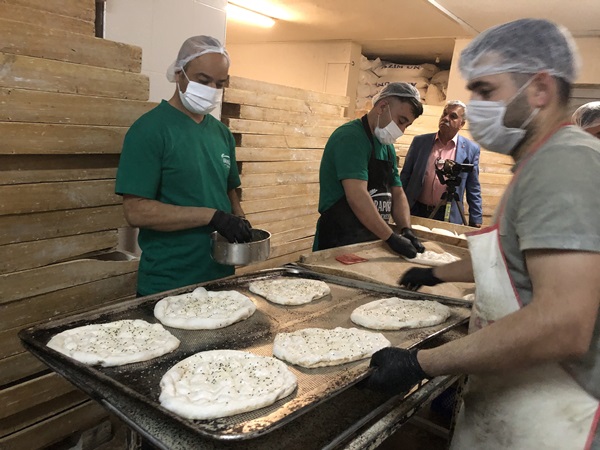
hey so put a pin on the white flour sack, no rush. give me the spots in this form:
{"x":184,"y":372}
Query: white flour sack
{"x":402,"y":71}
{"x":367,"y":77}
{"x":369,"y":64}
{"x":435,"y":96}
{"x":366,"y":90}
{"x":364,"y":102}
{"x":441,"y":78}
{"x":418,"y":82}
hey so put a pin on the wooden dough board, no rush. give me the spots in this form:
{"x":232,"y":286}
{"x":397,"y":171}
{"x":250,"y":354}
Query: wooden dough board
{"x":429,"y":223}
{"x":383,"y":265}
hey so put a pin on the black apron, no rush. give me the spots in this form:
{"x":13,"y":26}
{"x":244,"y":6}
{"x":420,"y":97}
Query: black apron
{"x":339,"y":225}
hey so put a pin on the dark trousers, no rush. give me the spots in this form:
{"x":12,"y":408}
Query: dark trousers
{"x":422,"y":210}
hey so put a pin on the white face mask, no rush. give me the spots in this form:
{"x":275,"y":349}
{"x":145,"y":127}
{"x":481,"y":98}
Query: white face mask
{"x":390,"y":133}
{"x":486,"y":124}
{"x":198,"y":98}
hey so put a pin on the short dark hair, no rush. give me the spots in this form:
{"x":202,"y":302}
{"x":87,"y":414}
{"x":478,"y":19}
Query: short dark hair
{"x":415,"y":105}
{"x":564,"y":87}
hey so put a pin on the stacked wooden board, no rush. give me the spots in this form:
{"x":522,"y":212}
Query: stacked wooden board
{"x":66,"y":101}
{"x":281,"y":133}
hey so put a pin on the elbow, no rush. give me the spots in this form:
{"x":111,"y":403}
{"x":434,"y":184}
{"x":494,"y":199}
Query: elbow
{"x":574,"y":341}
{"x":579,"y":346}
{"x":132,"y":217}
{"x":132,"y":220}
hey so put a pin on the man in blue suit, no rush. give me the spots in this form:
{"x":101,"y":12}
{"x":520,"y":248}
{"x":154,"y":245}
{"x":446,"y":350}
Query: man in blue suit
{"x":421,"y":184}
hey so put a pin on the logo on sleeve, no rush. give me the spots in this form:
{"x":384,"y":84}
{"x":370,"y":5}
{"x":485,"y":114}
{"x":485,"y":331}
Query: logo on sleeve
{"x":226,"y":160}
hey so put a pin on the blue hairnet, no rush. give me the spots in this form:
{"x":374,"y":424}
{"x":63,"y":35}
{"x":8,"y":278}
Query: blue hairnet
{"x":588,"y":115}
{"x":398,"y":89}
{"x":524,"y":46}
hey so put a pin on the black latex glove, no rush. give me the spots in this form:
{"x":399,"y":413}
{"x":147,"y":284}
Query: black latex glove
{"x":232,"y":228}
{"x":396,"y":370}
{"x":247,"y":222}
{"x":401,"y":245}
{"x":416,"y":277}
{"x":408,"y":234}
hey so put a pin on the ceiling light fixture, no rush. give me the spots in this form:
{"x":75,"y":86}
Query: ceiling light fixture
{"x":241,"y":14}
{"x":452,"y":16}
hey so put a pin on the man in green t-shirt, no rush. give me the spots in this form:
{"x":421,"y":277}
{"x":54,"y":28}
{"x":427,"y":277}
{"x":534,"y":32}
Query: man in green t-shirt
{"x":178,"y":175}
{"x":360,"y":189}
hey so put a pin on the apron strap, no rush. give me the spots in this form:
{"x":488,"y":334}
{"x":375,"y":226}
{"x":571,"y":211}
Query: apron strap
{"x":522,"y":164}
{"x":365,"y":123}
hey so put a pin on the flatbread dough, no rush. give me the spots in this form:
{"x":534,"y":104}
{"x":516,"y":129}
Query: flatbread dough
{"x":431,"y":258}
{"x":221,"y":383}
{"x":204,"y":310}
{"x":115,"y":343}
{"x":290,"y":291}
{"x":444,"y":232}
{"x":420,"y":227}
{"x":395,"y":314}
{"x":319,"y":347}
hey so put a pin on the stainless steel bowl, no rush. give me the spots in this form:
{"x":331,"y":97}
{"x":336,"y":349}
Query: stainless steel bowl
{"x":224,"y":252}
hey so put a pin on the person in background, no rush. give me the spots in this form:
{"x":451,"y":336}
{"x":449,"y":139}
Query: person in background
{"x":421,"y":184}
{"x":178,"y":175}
{"x":360,"y":189}
{"x":533,"y":351}
{"x":588,"y":118}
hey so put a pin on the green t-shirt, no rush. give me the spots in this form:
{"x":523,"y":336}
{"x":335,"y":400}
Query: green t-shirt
{"x":346,"y":156}
{"x":553,"y":204}
{"x":169,"y":157}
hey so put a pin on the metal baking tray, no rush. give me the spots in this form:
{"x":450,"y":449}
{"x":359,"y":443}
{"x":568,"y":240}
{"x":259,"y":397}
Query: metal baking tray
{"x":140,"y":381}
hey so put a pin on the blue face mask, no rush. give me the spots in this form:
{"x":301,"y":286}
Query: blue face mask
{"x":486,"y":124}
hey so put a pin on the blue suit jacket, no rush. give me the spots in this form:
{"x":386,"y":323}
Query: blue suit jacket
{"x":413,"y":172}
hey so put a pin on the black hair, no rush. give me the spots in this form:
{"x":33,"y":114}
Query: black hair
{"x":564,"y":87}
{"x":415,"y":105}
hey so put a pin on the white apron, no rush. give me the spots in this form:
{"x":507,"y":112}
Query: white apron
{"x":537,"y":408}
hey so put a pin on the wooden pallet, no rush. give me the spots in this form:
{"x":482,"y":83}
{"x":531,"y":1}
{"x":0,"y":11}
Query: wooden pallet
{"x":67,"y":99}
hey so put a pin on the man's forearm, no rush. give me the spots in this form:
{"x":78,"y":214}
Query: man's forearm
{"x":458,"y":271}
{"x":234,"y":199}
{"x":400,"y":208}
{"x":368,"y":215}
{"x":155,"y":215}
{"x":521,"y":339}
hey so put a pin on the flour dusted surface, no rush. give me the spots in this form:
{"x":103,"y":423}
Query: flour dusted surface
{"x":221,"y":383}
{"x":431,"y":258}
{"x":319,"y":347}
{"x":204,"y":310}
{"x":290,"y":291}
{"x":115,"y":343}
{"x":395,"y":313}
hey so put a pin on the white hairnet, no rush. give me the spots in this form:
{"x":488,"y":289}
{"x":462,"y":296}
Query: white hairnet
{"x":406,"y":90}
{"x":588,"y":115}
{"x":191,"y":49}
{"x":523,"y":46}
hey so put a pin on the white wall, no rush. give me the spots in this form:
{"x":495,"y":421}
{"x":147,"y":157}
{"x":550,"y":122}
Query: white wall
{"x":159,"y":27}
{"x":589,"y":49}
{"x":330,"y":67}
